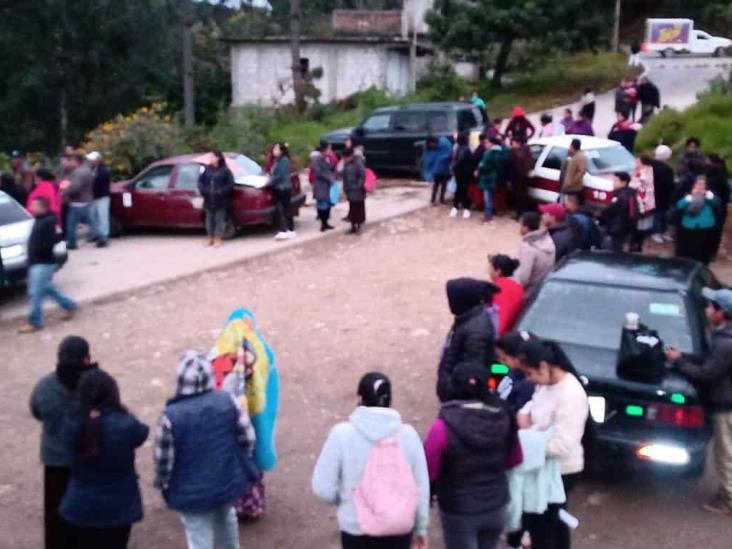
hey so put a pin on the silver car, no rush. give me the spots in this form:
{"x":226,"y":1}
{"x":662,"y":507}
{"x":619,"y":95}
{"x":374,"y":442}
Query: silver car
{"x":15,"y":228}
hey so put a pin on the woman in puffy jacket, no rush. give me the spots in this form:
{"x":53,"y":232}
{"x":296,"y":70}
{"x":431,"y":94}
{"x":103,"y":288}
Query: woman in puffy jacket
{"x":510,"y":300}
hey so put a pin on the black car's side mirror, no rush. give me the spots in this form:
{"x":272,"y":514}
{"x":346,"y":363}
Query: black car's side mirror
{"x":359,"y":132}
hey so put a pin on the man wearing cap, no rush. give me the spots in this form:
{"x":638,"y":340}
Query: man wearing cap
{"x":100,"y":205}
{"x":566,"y":238}
{"x":714,"y":376}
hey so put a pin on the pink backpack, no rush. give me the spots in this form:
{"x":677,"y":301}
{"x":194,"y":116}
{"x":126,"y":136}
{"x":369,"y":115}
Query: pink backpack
{"x":369,"y":183}
{"x":387,"y":497}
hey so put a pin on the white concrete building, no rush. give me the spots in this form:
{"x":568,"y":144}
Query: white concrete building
{"x":261,"y":68}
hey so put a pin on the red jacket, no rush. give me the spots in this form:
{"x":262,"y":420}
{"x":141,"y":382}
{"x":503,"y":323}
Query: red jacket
{"x":49,"y":191}
{"x":510,"y":301}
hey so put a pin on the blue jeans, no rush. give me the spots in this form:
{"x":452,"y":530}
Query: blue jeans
{"x":100,"y":215}
{"x":218,"y":526}
{"x":488,"y":200}
{"x":40,"y":285}
{"x":80,"y":214}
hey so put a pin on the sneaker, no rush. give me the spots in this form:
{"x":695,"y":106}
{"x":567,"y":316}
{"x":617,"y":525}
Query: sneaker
{"x":453,"y":212}
{"x":291,"y":234}
{"x":718,"y":506}
{"x":281,"y":236}
{"x":667,"y":237}
{"x":466,"y":214}
{"x":658,"y":239}
{"x":101,"y":243}
{"x":29,"y":328}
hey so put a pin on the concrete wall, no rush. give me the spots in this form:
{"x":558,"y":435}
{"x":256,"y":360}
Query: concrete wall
{"x":260,"y":71}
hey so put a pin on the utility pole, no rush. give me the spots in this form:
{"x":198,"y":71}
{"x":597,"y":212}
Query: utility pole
{"x":297,"y":76}
{"x":189,"y":112}
{"x":616,"y":27}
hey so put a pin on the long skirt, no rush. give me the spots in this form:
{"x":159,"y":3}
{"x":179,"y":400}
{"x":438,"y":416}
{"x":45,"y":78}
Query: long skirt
{"x":357,"y":211}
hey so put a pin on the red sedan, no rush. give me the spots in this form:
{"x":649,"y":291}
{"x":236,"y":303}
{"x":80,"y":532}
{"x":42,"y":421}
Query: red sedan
{"x":165,"y":194}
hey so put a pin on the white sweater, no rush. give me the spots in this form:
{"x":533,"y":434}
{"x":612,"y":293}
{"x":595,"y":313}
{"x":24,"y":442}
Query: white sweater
{"x":564,"y":407}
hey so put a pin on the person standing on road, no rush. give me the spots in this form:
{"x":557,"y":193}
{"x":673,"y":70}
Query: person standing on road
{"x":476,"y":100}
{"x":537,"y":253}
{"x":520,"y":164}
{"x":42,"y":266}
{"x":79,"y":193}
{"x":473,"y":333}
{"x":100,"y":206}
{"x":573,"y":170}
{"x":547,"y":125}
{"x":103,"y":499}
{"x":343,"y":467}
{"x":51,"y":400}
{"x":692,"y":157}
{"x":216,"y":185}
{"x":47,"y":188}
{"x":281,"y":183}
{"x":587,"y":104}
{"x":354,"y":179}
{"x":718,"y":181}
{"x":462,"y":171}
{"x":491,"y":171}
{"x":510,"y":298}
{"x":203,"y":455}
{"x":559,"y":404}
{"x":469,"y":448}
{"x":581,"y":126}
{"x":697,"y":233}
{"x":649,"y":97}
{"x":323,"y":177}
{"x":663,"y":191}
{"x":519,"y":127}
{"x":436,"y":160}
{"x":634,"y":60}
{"x":567,"y":120}
{"x":621,"y":216}
{"x":714,"y":376}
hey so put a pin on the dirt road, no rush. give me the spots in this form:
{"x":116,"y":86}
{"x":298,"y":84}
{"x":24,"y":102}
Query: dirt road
{"x":333,"y":309}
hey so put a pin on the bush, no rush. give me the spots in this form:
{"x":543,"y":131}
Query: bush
{"x":442,"y":84}
{"x":245,"y":130}
{"x":130,"y":142}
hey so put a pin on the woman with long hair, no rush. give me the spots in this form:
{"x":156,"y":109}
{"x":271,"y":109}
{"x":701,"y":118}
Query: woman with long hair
{"x":282,"y":191}
{"x":510,"y":299}
{"x":216,"y":186}
{"x":559,"y":404}
{"x":103,"y":498}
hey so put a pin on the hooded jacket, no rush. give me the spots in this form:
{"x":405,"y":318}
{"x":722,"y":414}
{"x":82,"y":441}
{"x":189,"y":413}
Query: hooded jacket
{"x":472,"y":336}
{"x":566,"y":239}
{"x":346,"y":452}
{"x":619,"y":217}
{"x":714,"y":375}
{"x":216,"y":186}
{"x":323,"y":176}
{"x":436,"y":161}
{"x":537,"y":255}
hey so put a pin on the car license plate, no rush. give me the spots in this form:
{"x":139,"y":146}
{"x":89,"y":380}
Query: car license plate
{"x":597,"y":408}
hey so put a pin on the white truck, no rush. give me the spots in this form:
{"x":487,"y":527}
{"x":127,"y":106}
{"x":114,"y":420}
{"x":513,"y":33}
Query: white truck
{"x":678,"y":36}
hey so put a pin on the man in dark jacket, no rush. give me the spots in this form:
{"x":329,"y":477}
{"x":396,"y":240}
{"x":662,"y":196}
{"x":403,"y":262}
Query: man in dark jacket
{"x":323,"y":178}
{"x":692,"y":157}
{"x":566,"y":238}
{"x":714,"y":377}
{"x":100,"y":205}
{"x":582,"y":222}
{"x":41,"y":267}
{"x":203,"y":455}
{"x":663,"y":189}
{"x":649,"y":97}
{"x":520,"y":164}
{"x":621,"y":216}
{"x":472,"y":337}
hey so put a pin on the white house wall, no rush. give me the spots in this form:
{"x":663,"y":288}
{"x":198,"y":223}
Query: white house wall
{"x":258,"y":71}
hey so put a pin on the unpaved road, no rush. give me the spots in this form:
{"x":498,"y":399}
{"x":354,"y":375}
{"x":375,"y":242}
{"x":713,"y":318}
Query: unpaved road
{"x":332,"y":309}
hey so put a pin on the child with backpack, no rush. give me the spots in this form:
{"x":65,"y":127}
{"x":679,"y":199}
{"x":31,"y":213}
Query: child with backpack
{"x":621,"y":216}
{"x":373,"y":468}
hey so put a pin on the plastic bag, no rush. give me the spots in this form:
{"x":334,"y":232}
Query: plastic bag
{"x":335,"y":193}
{"x":641,"y":357}
{"x":452,"y":185}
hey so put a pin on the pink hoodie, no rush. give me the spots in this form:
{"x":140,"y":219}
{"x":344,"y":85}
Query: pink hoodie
{"x":49,"y":191}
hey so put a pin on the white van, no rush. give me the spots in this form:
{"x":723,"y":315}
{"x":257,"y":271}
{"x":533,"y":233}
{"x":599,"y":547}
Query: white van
{"x":678,"y":36}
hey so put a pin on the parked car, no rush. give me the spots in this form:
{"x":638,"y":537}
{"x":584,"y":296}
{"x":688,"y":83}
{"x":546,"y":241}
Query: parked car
{"x":604,"y":158}
{"x":678,"y":36}
{"x":582,"y":306}
{"x":165,"y":194}
{"x":393,"y":137}
{"x":15,"y":228}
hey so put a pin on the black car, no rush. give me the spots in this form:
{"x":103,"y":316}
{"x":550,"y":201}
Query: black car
{"x":582,"y":305}
{"x":393,"y":137}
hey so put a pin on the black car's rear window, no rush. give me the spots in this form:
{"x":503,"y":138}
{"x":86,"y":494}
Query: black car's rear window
{"x":11,"y":211}
{"x":593,"y":315}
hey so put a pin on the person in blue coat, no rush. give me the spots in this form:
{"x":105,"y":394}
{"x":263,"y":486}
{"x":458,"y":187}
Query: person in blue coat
{"x":103,"y":499}
{"x":436,"y":161}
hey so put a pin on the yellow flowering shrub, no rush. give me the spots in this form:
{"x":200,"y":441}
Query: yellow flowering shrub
{"x":130,"y":142}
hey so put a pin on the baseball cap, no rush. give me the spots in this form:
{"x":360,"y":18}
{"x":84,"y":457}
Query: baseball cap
{"x":16,"y":154}
{"x":722,"y":298}
{"x":94,"y":156}
{"x":554,"y":209}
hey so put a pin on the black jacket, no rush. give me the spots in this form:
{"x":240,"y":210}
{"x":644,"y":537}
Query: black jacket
{"x":216,"y":186}
{"x":648,"y":94}
{"x":42,"y":239}
{"x":463,"y":166}
{"x":663,"y":184}
{"x":473,"y":471}
{"x":102,"y":181}
{"x":566,"y":239}
{"x":620,"y":217}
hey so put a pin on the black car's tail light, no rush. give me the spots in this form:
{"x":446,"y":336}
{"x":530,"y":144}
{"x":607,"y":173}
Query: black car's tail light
{"x":681,"y":416}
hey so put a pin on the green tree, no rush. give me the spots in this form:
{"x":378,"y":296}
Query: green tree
{"x":483,"y":27}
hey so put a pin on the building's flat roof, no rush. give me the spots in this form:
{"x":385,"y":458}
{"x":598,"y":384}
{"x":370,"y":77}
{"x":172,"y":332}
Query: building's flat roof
{"x":396,"y":40}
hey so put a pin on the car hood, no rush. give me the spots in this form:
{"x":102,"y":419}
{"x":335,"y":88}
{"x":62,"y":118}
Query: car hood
{"x":600,"y":368}
{"x":336,"y":136}
{"x":15,"y":233}
{"x":120,"y":186}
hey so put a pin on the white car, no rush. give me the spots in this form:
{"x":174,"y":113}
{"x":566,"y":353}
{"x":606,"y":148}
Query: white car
{"x":604,"y":159}
{"x":15,"y":228}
